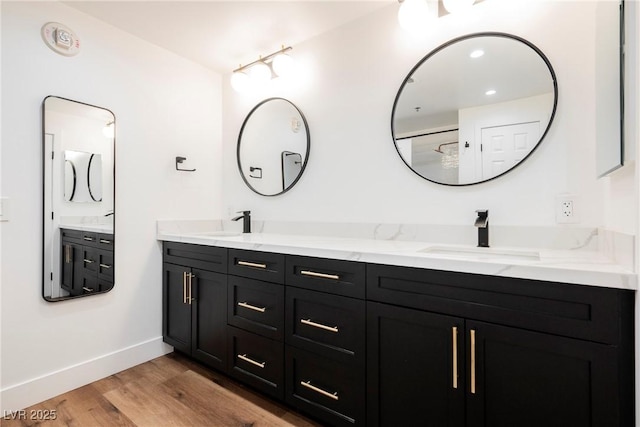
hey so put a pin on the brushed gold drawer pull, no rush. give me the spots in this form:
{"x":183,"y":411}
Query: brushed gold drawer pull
{"x":320,"y":275}
{"x":310,"y":386}
{"x":252,"y":264}
{"x":473,"y":361}
{"x":108,"y":242}
{"x":252,"y":307}
{"x":253,"y":362}
{"x":105,"y":266}
{"x":319,"y":325}
{"x":88,"y":239}
{"x":88,"y":261}
{"x":191,"y":276}
{"x":454,"y":339}
{"x":84,"y":288}
{"x":67,"y":254}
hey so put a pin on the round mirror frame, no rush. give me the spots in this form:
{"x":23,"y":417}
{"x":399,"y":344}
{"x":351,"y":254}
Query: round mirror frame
{"x":459,"y":39}
{"x":306,"y":157}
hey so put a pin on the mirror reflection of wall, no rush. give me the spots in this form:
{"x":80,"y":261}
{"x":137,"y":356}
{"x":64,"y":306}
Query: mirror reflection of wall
{"x":474,"y":108}
{"x":79,"y":186}
{"x":273,"y":147}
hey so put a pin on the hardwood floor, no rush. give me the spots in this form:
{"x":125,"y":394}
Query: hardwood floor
{"x":171,"y":390}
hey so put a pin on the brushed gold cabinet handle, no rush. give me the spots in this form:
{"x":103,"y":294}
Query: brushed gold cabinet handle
{"x":88,"y":261}
{"x":252,"y":264}
{"x":105,"y":266}
{"x":473,"y":361}
{"x":319,"y":325}
{"x":244,"y":304}
{"x":88,"y":239}
{"x":84,"y":288}
{"x":320,"y":275}
{"x":310,"y":386}
{"x":184,"y":287}
{"x":191,"y":276}
{"x":253,"y":362}
{"x":454,"y":338}
{"x":67,"y":254}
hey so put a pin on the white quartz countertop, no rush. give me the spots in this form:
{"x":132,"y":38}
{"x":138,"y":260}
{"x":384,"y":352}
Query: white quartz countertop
{"x":95,"y":228}
{"x":582,"y":267}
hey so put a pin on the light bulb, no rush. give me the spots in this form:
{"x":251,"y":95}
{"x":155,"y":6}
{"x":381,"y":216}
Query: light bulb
{"x":260,"y":74}
{"x":457,"y":6}
{"x":240,"y":81}
{"x":413,"y":15}
{"x":283,"y":65}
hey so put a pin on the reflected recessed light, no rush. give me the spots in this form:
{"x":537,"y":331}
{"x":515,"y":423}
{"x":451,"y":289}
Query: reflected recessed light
{"x":476,"y":53}
{"x":490,"y":92}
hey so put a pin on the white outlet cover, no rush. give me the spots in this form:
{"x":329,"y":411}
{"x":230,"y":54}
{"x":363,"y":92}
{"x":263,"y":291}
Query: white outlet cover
{"x":60,"y":38}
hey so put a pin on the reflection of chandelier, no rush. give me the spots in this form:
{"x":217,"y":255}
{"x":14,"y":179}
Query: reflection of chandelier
{"x":450,"y":159}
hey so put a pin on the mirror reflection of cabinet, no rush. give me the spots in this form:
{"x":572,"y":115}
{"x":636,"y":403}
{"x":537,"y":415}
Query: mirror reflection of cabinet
{"x":273,"y":147}
{"x":78,"y":194}
{"x":474,"y":108}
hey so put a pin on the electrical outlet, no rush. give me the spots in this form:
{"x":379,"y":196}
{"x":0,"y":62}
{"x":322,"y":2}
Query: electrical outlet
{"x":566,"y":209}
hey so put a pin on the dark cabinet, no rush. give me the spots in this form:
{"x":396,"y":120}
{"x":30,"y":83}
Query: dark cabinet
{"x":87,"y":261}
{"x":356,"y":344}
{"x":195,"y":311}
{"x":325,"y":337}
{"x":466,"y":372}
{"x":415,"y":365}
{"x":256,"y":319}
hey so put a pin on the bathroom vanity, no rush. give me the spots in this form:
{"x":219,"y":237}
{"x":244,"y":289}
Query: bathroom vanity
{"x":87,"y":261}
{"x":356,"y":342}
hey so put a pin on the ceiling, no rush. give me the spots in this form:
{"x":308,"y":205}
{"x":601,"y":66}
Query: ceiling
{"x":221,"y":35}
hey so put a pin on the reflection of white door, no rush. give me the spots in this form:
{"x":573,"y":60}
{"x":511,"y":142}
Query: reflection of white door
{"x":505,"y":146}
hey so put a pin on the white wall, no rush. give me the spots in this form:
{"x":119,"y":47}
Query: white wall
{"x":352,"y":75}
{"x":164,"y":106}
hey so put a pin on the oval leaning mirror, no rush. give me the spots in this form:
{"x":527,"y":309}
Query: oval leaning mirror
{"x":78,"y":194}
{"x":273,"y":147}
{"x":474,"y":108}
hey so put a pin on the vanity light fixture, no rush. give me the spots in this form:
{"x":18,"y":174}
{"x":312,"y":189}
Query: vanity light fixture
{"x":413,"y":14}
{"x":259,"y":72}
{"x":457,"y":6}
{"x":109,"y":130}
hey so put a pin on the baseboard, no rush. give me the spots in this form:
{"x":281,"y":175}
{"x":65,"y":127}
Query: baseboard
{"x":39,"y":389}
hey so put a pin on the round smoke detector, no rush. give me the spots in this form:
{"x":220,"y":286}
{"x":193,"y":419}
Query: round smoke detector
{"x":60,"y":39}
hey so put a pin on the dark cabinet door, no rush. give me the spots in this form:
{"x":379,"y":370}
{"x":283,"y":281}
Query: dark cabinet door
{"x":415,"y":371}
{"x":208,"y":293}
{"x":529,"y":379}
{"x":176,"y":322}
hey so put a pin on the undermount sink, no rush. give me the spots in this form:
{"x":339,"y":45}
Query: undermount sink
{"x":469,"y":252}
{"x":219,"y":233}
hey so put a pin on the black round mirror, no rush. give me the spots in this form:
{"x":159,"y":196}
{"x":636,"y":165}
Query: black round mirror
{"x":474,"y":108}
{"x":273,"y":147}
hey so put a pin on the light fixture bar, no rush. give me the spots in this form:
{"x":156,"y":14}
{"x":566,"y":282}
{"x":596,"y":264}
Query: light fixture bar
{"x":261,"y":59}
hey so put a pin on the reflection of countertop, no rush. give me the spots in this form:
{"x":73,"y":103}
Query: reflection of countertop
{"x":567,"y":266}
{"x":95,"y":228}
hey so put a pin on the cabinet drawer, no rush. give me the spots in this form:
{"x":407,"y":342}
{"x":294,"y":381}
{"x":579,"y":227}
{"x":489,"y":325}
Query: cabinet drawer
{"x":209,"y":258}
{"x":257,"y":361}
{"x":327,"y":275}
{"x":330,"y":325}
{"x":72,"y":236}
{"x":105,"y":265}
{"x":105,"y":241}
{"x":584,"y":312}
{"x":331,"y":391}
{"x":256,"y":306}
{"x":257,"y":265}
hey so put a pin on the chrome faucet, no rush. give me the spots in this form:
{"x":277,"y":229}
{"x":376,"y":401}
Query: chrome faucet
{"x":246,"y":220}
{"x":482,"y":222}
